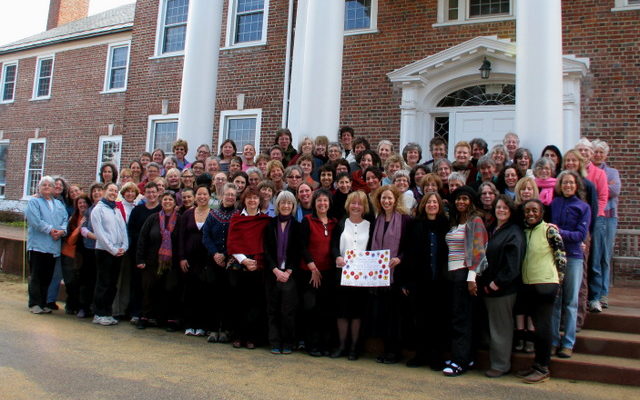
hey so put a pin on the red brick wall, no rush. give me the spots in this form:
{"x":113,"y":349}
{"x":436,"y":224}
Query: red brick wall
{"x":71,"y":120}
{"x":65,"y":11}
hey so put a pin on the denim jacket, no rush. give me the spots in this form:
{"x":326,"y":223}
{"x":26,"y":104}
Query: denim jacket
{"x":41,"y":220}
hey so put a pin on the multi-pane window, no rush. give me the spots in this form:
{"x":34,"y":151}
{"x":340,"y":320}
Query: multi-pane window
{"x":4,"y":146}
{"x":249,"y":20}
{"x":109,"y":151}
{"x":485,"y":8}
{"x":473,"y":11}
{"x":174,"y":25}
{"x":35,"y":166}
{"x":163,"y":135}
{"x":357,"y":14}
{"x":44,"y":77}
{"x":9,"y":75}
{"x":242,"y":131}
{"x":117,"y":66}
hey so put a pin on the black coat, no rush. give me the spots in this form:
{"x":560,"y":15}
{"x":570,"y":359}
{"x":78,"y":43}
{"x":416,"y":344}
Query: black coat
{"x":294,"y":246}
{"x":505,"y":253}
{"x":150,"y":240}
{"x":415,"y":271}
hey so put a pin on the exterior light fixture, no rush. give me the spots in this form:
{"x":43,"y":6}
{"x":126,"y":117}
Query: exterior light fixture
{"x":485,"y":69}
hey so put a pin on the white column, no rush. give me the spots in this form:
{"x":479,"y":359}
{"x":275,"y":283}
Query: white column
{"x":408,"y":115}
{"x":200,"y":73}
{"x":316,"y":77}
{"x":539,"y":74}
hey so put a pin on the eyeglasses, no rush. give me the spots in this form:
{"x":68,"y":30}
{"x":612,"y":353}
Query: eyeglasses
{"x":188,"y":176}
{"x":294,"y":177}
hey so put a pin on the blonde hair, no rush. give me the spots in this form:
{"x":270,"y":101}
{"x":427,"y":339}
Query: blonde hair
{"x":360,"y":196}
{"x":521,"y":183}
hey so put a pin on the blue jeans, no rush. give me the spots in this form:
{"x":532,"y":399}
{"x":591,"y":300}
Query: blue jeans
{"x":604,"y":236}
{"x":54,"y":286}
{"x":566,"y":305}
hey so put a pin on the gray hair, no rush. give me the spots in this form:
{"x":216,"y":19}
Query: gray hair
{"x":456,"y":176}
{"x":412,"y":146}
{"x":385,"y":142}
{"x":155,"y":165}
{"x":485,"y":161}
{"x":228,"y":186}
{"x":285,"y":195}
{"x":254,"y":170}
{"x":544,"y":162}
{"x":437,"y":163}
{"x":498,"y":148}
{"x":292,"y":168}
{"x":47,"y":179}
{"x":601,"y":144}
{"x":334,"y":144}
{"x":401,"y":172}
{"x":584,"y":142}
{"x":170,"y":158}
{"x":513,"y":135}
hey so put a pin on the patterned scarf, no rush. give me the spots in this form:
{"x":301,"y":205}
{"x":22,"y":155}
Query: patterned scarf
{"x":165,"y":252}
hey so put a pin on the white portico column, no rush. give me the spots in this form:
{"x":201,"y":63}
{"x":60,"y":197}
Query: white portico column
{"x":200,"y":73}
{"x":316,"y":77}
{"x":539,"y":74}
{"x":408,"y":114}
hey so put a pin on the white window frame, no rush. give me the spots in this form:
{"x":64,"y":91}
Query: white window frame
{"x":4,"y":187}
{"x":3,"y":78}
{"x":623,"y":5}
{"x":150,"y":146}
{"x":463,"y":14}
{"x":231,"y":27}
{"x":25,"y":194}
{"x":373,"y":26}
{"x":158,"y":53}
{"x":226,"y":115}
{"x":36,"y":78}
{"x":100,"y":154}
{"x":108,"y":67}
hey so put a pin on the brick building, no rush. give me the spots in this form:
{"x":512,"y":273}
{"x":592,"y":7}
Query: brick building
{"x":405,"y":70}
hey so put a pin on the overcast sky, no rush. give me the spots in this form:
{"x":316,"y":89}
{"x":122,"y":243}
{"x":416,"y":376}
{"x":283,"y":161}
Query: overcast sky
{"x":23,"y":18}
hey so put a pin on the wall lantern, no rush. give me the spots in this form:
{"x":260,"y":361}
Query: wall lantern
{"x":485,"y":69}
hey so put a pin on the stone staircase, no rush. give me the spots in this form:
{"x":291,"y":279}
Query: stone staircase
{"x":607,"y":349}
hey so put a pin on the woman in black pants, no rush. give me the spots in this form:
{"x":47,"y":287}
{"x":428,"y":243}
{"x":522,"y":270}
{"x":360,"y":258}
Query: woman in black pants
{"x":467,"y":240}
{"x":281,"y":258}
{"x":542,"y":273}
{"x":214,"y":238}
{"x":422,"y":277}
{"x":194,"y":261}
{"x":157,"y":257}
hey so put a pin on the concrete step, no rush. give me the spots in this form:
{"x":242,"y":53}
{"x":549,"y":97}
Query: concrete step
{"x":615,"y":319}
{"x":606,"y":343}
{"x":581,"y":367}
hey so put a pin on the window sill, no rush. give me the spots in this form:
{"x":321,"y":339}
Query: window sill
{"x":113,"y":91}
{"x":167,"y":55}
{"x":244,"y":45}
{"x":475,"y":21}
{"x":355,"y":32}
{"x":40,"y":98}
{"x":7,"y":101}
{"x":627,"y":8}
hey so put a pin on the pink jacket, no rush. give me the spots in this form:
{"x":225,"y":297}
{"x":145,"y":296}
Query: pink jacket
{"x":599,"y":178}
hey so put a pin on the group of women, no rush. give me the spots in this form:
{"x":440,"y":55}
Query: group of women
{"x":250,"y":249}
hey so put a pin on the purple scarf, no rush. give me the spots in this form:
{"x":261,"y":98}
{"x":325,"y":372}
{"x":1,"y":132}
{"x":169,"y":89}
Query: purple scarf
{"x":166,"y":250}
{"x":391,"y":238}
{"x":282,"y":237}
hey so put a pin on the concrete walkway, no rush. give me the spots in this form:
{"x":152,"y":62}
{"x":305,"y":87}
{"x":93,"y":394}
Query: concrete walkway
{"x":59,"y":357}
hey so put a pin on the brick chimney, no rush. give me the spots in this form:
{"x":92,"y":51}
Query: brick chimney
{"x":64,"y":11}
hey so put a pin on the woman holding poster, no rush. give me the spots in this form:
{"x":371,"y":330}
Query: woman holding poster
{"x":389,"y":228}
{"x":352,"y":233}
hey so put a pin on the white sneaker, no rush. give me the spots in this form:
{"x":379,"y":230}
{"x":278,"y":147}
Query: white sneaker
{"x":46,"y":310}
{"x":97,"y":319}
{"x":200,"y":332}
{"x":595,"y":306}
{"x":112,"y":320}
{"x":36,"y":309}
{"x":190,"y":332}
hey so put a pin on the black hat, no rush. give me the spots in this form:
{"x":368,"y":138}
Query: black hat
{"x":466,"y":190}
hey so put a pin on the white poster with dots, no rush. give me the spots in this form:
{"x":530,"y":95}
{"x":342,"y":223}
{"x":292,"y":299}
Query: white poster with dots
{"x":366,"y":268}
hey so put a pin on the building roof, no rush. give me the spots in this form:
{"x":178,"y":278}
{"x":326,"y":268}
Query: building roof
{"x":110,"y":21}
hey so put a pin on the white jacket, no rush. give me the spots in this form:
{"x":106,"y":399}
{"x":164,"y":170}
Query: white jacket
{"x":109,"y":228}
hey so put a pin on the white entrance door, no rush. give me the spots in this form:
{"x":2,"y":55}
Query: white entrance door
{"x":488,"y":125}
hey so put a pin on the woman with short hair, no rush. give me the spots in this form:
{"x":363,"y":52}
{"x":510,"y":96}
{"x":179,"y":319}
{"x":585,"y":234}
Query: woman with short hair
{"x":112,"y":242}
{"x":47,"y":221}
{"x":281,"y":258}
